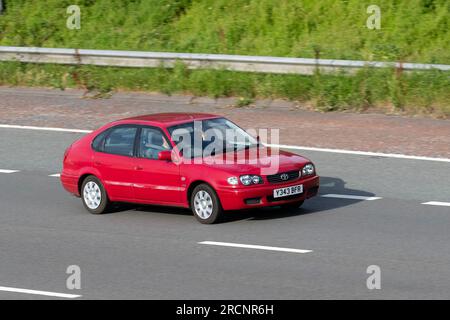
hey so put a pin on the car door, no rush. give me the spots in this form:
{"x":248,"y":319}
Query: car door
{"x":114,"y":160}
{"x":155,"y":181}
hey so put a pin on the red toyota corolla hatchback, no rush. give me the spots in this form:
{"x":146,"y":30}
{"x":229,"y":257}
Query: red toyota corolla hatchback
{"x":199,"y":161}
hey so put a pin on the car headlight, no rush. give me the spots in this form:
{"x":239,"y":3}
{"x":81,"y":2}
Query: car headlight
{"x":233,"y":181}
{"x":308,"y":170}
{"x":248,"y":179}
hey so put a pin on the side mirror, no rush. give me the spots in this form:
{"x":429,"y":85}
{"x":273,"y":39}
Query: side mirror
{"x":165,"y":155}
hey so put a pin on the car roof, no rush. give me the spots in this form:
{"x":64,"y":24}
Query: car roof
{"x":169,"y":119}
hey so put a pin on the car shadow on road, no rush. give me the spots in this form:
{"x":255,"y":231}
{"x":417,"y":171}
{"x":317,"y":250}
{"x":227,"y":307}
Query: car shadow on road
{"x":122,"y":207}
{"x":328,"y":185}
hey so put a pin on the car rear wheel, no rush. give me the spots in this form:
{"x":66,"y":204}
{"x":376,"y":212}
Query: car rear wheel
{"x":293,"y":205}
{"x":94,"y":196}
{"x":205,"y":204}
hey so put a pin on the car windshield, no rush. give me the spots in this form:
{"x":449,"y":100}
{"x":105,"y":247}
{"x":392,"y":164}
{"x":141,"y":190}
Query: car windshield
{"x":202,"y":138}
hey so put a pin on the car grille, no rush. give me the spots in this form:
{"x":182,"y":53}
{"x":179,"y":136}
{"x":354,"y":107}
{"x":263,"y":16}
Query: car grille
{"x":276,"y":178}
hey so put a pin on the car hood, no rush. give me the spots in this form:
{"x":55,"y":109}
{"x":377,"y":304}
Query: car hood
{"x":266,"y":161}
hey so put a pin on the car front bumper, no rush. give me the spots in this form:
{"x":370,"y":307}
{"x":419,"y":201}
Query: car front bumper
{"x":262,"y":196}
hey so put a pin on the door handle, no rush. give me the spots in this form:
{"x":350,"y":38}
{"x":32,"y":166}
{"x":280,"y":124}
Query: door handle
{"x":97,"y":163}
{"x":138,"y":168}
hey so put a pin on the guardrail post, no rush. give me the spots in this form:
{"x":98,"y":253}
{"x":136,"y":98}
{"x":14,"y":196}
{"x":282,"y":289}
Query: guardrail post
{"x":77,"y":56}
{"x":399,"y":69}
{"x":317,"y":57}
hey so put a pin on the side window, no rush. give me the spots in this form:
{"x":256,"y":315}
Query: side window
{"x":99,"y":141}
{"x":120,"y":141}
{"x":151,"y":142}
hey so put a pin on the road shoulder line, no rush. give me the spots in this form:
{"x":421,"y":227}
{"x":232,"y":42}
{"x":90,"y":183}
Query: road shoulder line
{"x":8,"y":126}
{"x":329,"y":150}
{"x":361,"y":153}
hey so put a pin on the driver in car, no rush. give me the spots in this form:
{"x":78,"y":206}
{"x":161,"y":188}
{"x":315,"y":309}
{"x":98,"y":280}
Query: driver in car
{"x":152,"y":144}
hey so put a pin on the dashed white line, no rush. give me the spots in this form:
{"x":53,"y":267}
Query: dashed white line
{"x":437,"y":203}
{"x":349,"y":196}
{"x":56,"y":175}
{"x":251,"y":246}
{"x":8,"y":171}
{"x":42,"y":293}
{"x":8,"y":126}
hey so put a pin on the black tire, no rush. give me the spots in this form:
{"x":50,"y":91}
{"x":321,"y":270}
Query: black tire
{"x":104,"y":202}
{"x":293,"y":205}
{"x":217,"y":210}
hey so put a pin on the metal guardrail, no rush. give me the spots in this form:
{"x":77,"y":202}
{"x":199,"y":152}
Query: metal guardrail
{"x":198,"y":61}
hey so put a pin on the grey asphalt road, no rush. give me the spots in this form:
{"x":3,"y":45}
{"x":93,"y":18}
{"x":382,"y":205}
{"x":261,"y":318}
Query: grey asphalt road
{"x":153,"y":252}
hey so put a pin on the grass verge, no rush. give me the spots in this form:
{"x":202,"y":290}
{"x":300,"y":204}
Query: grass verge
{"x":386,"y":90}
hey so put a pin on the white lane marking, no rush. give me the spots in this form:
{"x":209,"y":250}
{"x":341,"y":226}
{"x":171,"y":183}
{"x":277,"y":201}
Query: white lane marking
{"x":56,"y":175}
{"x":42,"y":293}
{"x":7,"y":126}
{"x":360,"y":153}
{"x":285,"y":146}
{"x":437,"y":203}
{"x":349,"y":196}
{"x":8,"y":171}
{"x":251,"y":246}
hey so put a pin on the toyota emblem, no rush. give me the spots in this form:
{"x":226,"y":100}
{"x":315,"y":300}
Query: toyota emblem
{"x":284,"y":176}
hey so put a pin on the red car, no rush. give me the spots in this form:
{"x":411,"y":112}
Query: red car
{"x":199,"y":161}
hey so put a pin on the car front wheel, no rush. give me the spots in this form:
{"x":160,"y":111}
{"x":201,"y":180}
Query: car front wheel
{"x":205,"y":204}
{"x":94,"y":196}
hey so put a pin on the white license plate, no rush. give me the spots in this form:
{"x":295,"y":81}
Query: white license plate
{"x":288,"y":191}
